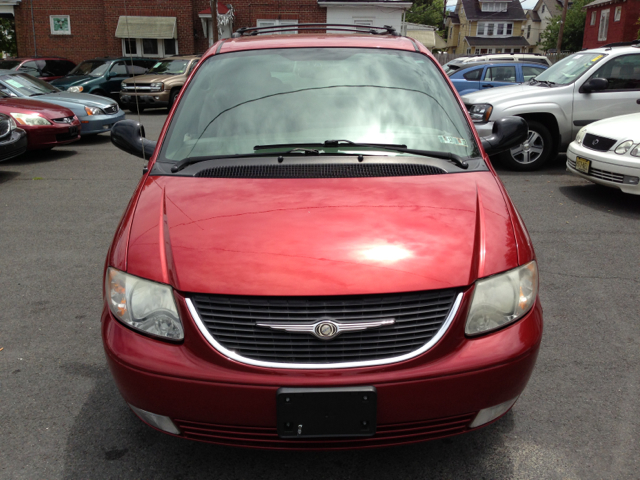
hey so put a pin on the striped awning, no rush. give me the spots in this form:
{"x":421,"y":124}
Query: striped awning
{"x":146,"y":27}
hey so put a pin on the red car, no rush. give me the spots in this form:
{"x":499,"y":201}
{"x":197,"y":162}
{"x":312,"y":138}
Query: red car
{"x":47,"y":125}
{"x":44,"y":68}
{"x":320,"y":255}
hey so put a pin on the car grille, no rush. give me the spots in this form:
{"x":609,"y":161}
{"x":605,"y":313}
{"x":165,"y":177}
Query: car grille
{"x":111,"y":109}
{"x":601,"y":174}
{"x":231,"y":321}
{"x":72,"y":134}
{"x":68,"y":120}
{"x":390,"y":434}
{"x":601,"y":144}
{"x":327,"y":170}
{"x":130,"y":87}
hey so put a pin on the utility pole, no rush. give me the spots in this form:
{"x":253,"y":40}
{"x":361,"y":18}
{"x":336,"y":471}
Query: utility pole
{"x":565,"y":3}
{"x":444,"y":14}
{"x":214,"y":21}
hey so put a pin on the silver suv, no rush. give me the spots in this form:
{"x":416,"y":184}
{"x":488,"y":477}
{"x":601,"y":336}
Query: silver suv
{"x":580,"y":89}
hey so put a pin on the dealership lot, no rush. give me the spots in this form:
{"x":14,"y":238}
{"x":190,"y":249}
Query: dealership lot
{"x":61,"y":415}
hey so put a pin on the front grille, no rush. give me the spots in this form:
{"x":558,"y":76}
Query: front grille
{"x":68,"y":120}
{"x":267,"y":437}
{"x":70,"y":135}
{"x":111,"y":109}
{"x":138,"y":86}
{"x":326,"y":170}
{"x":231,"y":321}
{"x":601,"y":174}
{"x":601,"y":144}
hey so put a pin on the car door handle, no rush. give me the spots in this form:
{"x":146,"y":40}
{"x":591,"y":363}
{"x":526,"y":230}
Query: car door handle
{"x":486,"y":85}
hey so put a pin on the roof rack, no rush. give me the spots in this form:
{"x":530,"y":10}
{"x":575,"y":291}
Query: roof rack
{"x":385,"y":30}
{"x":622,"y":44}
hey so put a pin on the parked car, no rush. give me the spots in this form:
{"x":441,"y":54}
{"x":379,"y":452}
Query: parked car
{"x":608,"y":153}
{"x":320,"y":254}
{"x":47,"y":125}
{"x":465,"y":60}
{"x":96,"y":114}
{"x":585,"y":87}
{"x":103,"y":76}
{"x":481,"y":75}
{"x":44,"y":68}
{"x":13,"y":140}
{"x":160,"y":86}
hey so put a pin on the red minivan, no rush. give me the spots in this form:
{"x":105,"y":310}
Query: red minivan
{"x":320,"y":254}
{"x":44,"y":68}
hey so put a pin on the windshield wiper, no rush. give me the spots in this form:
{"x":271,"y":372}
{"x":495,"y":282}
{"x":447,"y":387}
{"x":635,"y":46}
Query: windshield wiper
{"x":328,"y":143}
{"x":548,"y":83}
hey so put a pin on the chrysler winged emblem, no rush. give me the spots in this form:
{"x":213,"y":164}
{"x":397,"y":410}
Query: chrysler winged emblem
{"x":327,"y":328}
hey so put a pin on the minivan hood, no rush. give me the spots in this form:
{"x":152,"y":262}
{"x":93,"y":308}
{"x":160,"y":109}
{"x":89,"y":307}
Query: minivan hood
{"x":72,"y":80}
{"x":78,"y":99}
{"x":320,"y":236}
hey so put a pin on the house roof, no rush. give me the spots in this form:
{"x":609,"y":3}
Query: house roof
{"x":554,"y":6}
{"x":473,"y":12}
{"x":597,"y":3}
{"x":454,"y":17}
{"x":497,"y":41}
{"x":429,"y":38}
{"x":534,"y":16}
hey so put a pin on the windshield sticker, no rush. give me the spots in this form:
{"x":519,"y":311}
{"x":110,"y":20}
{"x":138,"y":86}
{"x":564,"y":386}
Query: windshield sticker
{"x":13,"y":83}
{"x":157,"y":65}
{"x":452,"y":140}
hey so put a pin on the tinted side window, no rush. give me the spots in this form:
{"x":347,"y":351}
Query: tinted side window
{"x":473,"y":74}
{"x":54,"y":68}
{"x":119,"y":69}
{"x":530,"y":72}
{"x":31,"y":68}
{"x":623,"y":73}
{"x":500,"y":74}
{"x":142,"y":65}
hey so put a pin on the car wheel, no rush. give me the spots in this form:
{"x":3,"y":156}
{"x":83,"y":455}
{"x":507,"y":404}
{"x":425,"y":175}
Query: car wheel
{"x":532,"y":154}
{"x":172,"y":98}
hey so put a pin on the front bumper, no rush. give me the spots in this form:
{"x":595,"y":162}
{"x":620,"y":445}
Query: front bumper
{"x":145,"y":99}
{"x":212,"y":398}
{"x":48,"y":136}
{"x":607,"y":168}
{"x":13,"y":146}
{"x":93,"y":124}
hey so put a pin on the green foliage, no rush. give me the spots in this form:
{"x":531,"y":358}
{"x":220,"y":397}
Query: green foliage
{"x":8,"y":37}
{"x":426,"y":12}
{"x":573,"y":29}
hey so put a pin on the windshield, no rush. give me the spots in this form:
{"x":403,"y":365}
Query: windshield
{"x":170,"y":67}
{"x":27,"y":85}
{"x":94,"y":68}
{"x":569,"y":69}
{"x":9,"y":64}
{"x":308,"y":95}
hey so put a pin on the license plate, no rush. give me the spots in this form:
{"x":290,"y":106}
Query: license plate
{"x":73,"y":130}
{"x":583,"y":165}
{"x":326,"y":412}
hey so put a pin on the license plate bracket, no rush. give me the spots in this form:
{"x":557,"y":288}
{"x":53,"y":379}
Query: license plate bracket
{"x":583,"y":165}
{"x":326,"y":412}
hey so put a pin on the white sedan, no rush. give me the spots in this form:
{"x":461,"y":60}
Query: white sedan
{"x":608,"y":152}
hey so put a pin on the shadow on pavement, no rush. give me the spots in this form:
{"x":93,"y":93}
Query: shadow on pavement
{"x":553,"y":167}
{"x":6,"y":176}
{"x":604,"y":199}
{"x":39,"y":156}
{"x":108,"y":441}
{"x":98,"y":139}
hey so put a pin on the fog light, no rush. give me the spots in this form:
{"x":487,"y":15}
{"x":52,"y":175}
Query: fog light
{"x":159,"y":421}
{"x":630,"y":180}
{"x":488,"y":414}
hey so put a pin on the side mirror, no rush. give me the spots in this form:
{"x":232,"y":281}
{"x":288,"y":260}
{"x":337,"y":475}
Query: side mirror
{"x":128,"y":135}
{"x":507,"y":133}
{"x":594,"y":85}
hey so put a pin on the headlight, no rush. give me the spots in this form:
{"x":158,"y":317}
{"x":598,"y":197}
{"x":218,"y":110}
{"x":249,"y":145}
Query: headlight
{"x":143,"y":305}
{"x":502,"y":299}
{"x":30,"y":119}
{"x":624,"y":147}
{"x":75,"y":89}
{"x":6,"y":127}
{"x":636,"y":151}
{"x":93,"y":111}
{"x":580,"y":136}
{"x":480,"y":113}
{"x":156,"y":87}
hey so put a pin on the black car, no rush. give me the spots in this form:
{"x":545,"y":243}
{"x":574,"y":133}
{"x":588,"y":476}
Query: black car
{"x":13,"y":140}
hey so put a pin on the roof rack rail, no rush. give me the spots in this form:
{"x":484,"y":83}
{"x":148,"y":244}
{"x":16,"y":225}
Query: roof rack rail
{"x":622,"y":44}
{"x":385,"y":30}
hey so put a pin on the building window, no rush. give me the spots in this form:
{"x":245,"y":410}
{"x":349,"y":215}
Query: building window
{"x":60,"y":24}
{"x":507,"y":50}
{"x":516,"y":50}
{"x":477,"y":51}
{"x":468,"y":50}
{"x":493,"y":6}
{"x":494,"y":29}
{"x":498,"y":50}
{"x":617,"y":14}
{"x":365,"y":22}
{"x":500,"y":29}
{"x":450,"y":32}
{"x":149,"y":47}
{"x":276,"y":22}
{"x":542,"y":8}
{"x":604,"y":25}
{"x":593,"y":18}
{"x":528,"y":31}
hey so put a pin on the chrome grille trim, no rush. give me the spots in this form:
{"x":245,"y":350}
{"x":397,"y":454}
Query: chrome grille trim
{"x":323,"y":366}
{"x":601,"y":174}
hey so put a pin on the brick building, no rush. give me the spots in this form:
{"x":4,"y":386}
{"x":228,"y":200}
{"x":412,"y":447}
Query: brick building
{"x":82,"y":29}
{"x":610,"y":21}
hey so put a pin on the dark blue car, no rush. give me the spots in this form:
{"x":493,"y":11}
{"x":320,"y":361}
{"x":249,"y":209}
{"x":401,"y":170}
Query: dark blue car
{"x":482,"y":75}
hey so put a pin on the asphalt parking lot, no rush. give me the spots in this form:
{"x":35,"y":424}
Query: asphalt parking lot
{"x":61,"y":415}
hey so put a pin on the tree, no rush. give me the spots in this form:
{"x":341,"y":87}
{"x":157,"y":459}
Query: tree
{"x":426,"y":12}
{"x":573,"y":29}
{"x":8,"y":37}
